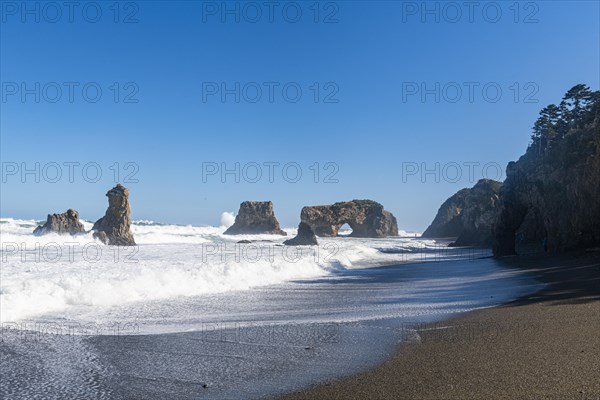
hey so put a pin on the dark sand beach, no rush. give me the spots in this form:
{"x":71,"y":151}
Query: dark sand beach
{"x":543,"y":346}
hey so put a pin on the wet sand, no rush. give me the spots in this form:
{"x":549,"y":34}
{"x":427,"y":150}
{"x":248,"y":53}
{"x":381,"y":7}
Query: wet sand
{"x":543,"y":346}
{"x":253,"y":344}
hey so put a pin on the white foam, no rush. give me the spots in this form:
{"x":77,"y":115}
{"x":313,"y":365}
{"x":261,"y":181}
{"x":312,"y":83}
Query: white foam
{"x":56,"y":273}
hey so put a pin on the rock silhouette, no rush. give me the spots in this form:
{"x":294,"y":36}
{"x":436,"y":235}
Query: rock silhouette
{"x":65,"y":223}
{"x":550,"y":198}
{"x":114,"y":227}
{"x":305,"y":237}
{"x":255,"y":217}
{"x":546,"y":201}
{"x":468,"y":215}
{"x":367,"y":219}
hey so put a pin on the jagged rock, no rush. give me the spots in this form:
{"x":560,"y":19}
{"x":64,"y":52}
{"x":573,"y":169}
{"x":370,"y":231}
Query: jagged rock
{"x":551,"y":194}
{"x":305,"y":237}
{"x":67,"y":222}
{"x":255,"y":217}
{"x":114,"y":227}
{"x":468,"y":215}
{"x":101,"y":235}
{"x":550,"y":200}
{"x":367,"y":219}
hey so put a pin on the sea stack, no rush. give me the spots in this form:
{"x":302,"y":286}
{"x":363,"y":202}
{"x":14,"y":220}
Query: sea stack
{"x":367,"y":219}
{"x":468,"y":215}
{"x":254,"y":218}
{"x":305,"y":237}
{"x":114,"y":227}
{"x":65,"y":223}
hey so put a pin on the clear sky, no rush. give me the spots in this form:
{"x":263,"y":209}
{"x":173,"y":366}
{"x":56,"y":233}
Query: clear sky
{"x":387,"y":89}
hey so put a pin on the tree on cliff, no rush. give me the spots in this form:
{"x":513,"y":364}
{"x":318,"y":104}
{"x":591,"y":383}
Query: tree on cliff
{"x":545,"y":128}
{"x":551,"y":193}
{"x":578,"y":108}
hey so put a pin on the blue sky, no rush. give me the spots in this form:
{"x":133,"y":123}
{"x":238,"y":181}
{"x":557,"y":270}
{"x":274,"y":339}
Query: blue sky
{"x":367,"y":123}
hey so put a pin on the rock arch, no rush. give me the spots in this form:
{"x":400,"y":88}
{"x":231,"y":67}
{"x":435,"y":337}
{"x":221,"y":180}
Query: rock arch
{"x":367,"y":219}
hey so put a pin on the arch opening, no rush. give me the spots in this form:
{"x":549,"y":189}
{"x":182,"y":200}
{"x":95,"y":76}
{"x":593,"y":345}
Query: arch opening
{"x":345,"y":230}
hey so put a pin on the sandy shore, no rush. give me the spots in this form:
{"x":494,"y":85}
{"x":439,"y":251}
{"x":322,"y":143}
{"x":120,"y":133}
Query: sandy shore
{"x":542,"y":346}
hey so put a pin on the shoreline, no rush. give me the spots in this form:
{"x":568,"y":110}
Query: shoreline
{"x":542,"y":345}
{"x":262,"y":343}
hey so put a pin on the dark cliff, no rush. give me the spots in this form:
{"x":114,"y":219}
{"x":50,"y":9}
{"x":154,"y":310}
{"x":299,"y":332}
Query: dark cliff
{"x":468,"y":215}
{"x":551,"y":197}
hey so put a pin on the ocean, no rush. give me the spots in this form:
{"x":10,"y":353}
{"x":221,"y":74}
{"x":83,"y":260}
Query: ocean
{"x":192,"y":313}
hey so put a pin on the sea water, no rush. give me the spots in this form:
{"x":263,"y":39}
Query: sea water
{"x":192,"y":313}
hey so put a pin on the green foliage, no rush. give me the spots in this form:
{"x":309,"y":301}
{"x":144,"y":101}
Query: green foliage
{"x":579,"y":108}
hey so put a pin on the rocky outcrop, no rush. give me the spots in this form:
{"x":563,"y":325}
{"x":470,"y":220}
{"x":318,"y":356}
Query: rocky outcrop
{"x":548,"y":200}
{"x":255,"y":217}
{"x":305,"y":237}
{"x":114,"y":227}
{"x":367,"y":219}
{"x":66,"y":223}
{"x":551,"y":194}
{"x":468,"y":215}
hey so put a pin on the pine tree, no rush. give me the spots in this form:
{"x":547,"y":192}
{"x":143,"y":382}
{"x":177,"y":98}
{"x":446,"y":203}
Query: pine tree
{"x":545,"y":128}
{"x":577,"y":103}
{"x":579,"y":107}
